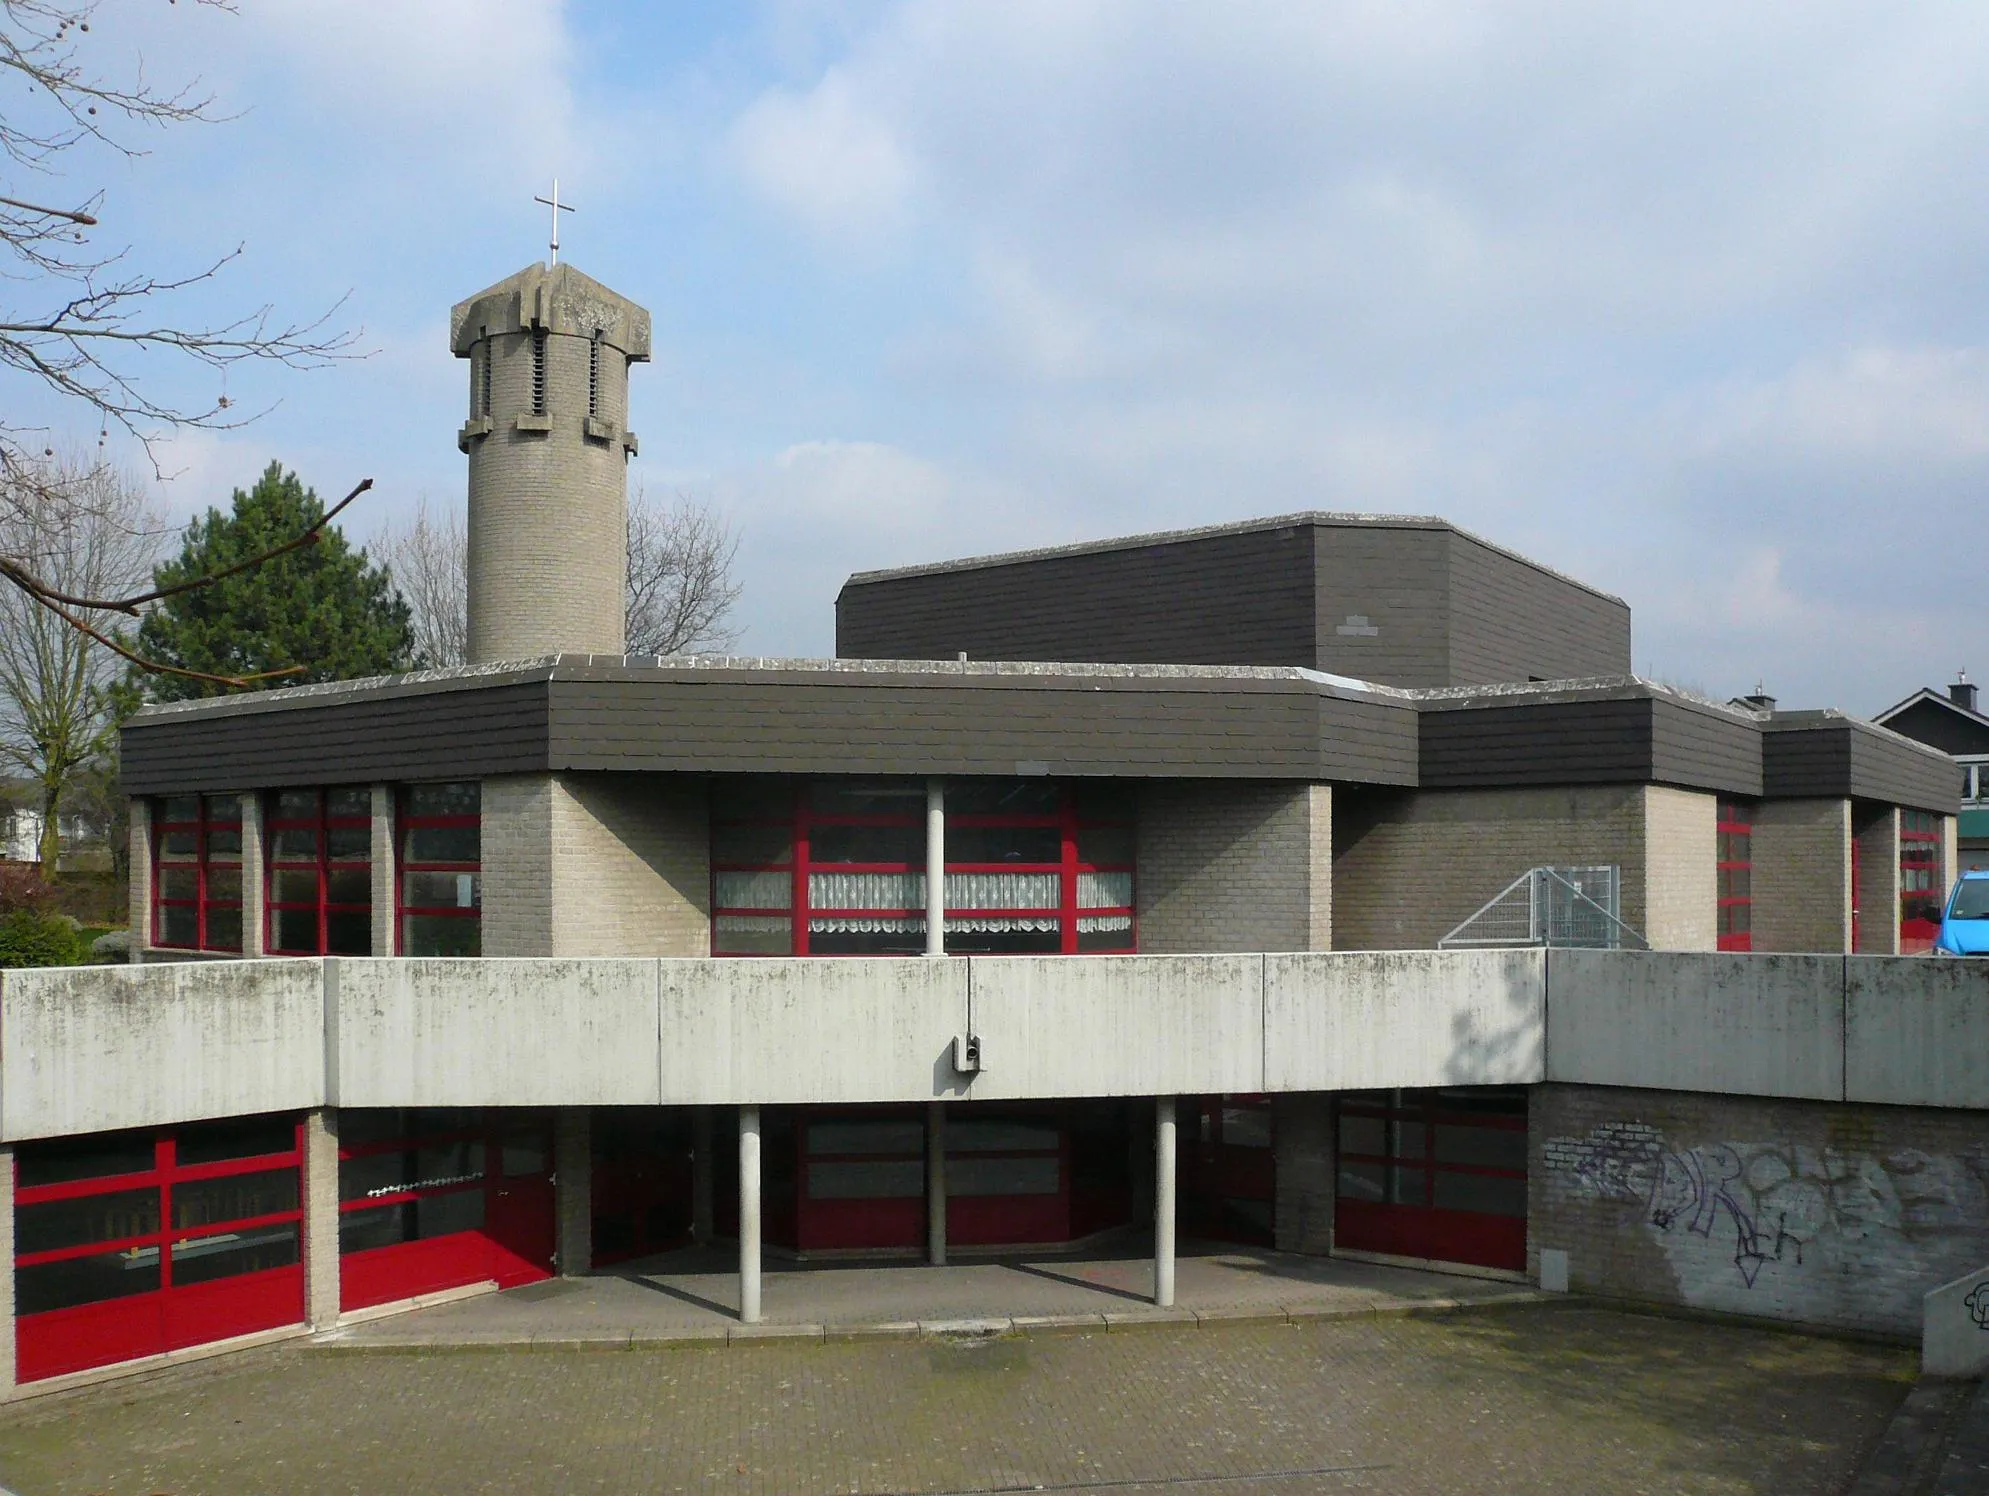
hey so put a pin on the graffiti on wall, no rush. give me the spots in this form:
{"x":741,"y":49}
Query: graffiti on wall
{"x":1744,"y":1209}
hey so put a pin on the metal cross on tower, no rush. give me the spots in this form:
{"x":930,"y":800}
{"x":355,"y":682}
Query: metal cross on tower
{"x":558,"y":208}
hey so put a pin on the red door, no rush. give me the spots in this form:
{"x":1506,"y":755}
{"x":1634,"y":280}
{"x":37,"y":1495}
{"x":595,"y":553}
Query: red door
{"x":1438,"y":1175}
{"x":519,"y":1216}
{"x":1228,"y":1180}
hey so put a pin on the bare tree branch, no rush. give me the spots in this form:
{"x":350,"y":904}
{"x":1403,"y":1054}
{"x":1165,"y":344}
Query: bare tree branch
{"x":427,"y":560}
{"x":680,"y":586}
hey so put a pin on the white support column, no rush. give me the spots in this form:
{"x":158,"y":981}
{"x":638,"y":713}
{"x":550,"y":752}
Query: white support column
{"x":703,"y":1192}
{"x":321,"y":1218}
{"x":254,"y":885}
{"x":383,"y":870}
{"x":935,"y":945}
{"x":935,"y":1183}
{"x":935,"y":867}
{"x":749,"y":1215}
{"x":139,"y":852}
{"x":573,"y":1189}
{"x":1163,"y":1201}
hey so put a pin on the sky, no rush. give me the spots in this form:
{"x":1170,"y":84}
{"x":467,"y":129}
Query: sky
{"x":1687,"y":300}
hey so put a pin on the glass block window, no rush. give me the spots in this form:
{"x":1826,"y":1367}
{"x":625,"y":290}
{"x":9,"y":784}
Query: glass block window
{"x":197,"y":872}
{"x":837,"y":867}
{"x":440,"y":883}
{"x":1736,"y":876}
{"x":1922,"y":887}
{"x":318,"y":846}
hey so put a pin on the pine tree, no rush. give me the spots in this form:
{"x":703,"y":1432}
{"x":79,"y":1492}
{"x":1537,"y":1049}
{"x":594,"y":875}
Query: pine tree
{"x":325,"y":607}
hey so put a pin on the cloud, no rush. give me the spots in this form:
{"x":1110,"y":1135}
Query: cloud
{"x":822,"y":158}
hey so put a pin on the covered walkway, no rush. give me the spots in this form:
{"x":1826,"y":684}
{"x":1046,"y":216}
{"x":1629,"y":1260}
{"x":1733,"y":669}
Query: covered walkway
{"x":693,"y":1295}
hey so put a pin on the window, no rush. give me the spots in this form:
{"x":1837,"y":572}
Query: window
{"x":1974,"y":783}
{"x":100,"y":1221}
{"x":1921,"y":887}
{"x":320,"y":882}
{"x":1736,"y":876}
{"x":1433,"y":1174}
{"x":594,"y":374}
{"x":440,"y":910}
{"x":484,"y":351}
{"x":837,"y":867}
{"x":197,"y":872}
{"x":538,"y":371}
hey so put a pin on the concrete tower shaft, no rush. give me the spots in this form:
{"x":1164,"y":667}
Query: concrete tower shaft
{"x":548,"y":443}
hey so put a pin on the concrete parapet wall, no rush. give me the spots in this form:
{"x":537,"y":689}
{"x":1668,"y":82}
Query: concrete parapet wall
{"x":96,"y":1048}
{"x":1403,"y":1018}
{"x":782,"y":1030}
{"x":1119,"y":1025}
{"x":492,"y":1033}
{"x":1917,"y":1031}
{"x":1756,"y":1025}
{"x":91,"y":1049}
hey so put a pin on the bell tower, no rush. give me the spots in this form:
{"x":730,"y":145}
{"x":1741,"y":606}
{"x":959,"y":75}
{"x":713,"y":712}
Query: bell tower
{"x":548,"y":441}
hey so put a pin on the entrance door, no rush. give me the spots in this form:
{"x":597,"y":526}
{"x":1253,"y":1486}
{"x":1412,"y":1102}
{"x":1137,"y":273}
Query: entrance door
{"x":1228,"y":1179}
{"x":1438,"y":1175}
{"x":519,"y":1217}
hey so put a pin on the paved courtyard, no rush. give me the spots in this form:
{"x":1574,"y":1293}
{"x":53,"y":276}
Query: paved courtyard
{"x":1520,"y":1397}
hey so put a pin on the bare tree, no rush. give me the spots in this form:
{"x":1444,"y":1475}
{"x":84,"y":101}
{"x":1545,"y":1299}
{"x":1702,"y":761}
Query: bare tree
{"x":58,"y":695}
{"x":77,"y":317}
{"x":427,"y":559}
{"x":680,"y":585}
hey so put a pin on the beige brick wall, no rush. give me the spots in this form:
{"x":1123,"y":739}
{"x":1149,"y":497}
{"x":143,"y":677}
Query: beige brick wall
{"x":595,"y":865}
{"x":1824,"y":1214}
{"x":255,"y":886}
{"x":1235,"y":867}
{"x":321,"y":1218}
{"x":1802,"y":875}
{"x":140,"y":848}
{"x":517,"y":865}
{"x":1410,"y":866}
{"x":382,"y":848}
{"x":1875,"y":833}
{"x":1681,"y":870}
{"x":631,"y":866}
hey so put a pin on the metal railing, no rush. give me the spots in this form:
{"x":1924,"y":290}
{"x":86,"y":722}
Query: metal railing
{"x":1571,"y":907}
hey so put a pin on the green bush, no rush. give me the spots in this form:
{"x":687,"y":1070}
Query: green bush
{"x":31,"y":938}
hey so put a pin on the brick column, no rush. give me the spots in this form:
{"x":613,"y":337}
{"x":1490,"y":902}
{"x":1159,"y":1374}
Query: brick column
{"x":1302,"y":1140}
{"x":383,"y":870}
{"x":6,"y":1271}
{"x":573,"y":1189}
{"x":1802,"y":876}
{"x":253,"y":883}
{"x":321,"y":1218}
{"x":1875,"y":830}
{"x":140,"y":853}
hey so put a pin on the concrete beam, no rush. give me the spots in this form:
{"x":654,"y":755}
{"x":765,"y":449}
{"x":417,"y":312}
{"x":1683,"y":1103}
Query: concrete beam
{"x":1917,"y":1031}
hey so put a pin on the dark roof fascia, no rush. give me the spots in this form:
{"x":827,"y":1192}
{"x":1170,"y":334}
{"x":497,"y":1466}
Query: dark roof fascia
{"x":1317,"y":519}
{"x":1827,"y":754}
{"x":1611,"y":730}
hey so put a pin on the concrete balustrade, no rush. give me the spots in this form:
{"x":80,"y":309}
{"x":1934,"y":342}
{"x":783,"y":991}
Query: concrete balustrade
{"x":92,"y":1049}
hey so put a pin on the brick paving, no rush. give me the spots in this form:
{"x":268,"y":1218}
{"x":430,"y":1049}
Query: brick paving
{"x":1548,"y":1398}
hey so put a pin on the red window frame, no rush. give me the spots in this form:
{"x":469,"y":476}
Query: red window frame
{"x":320,"y":864}
{"x":1421,"y":1228}
{"x":168,"y":1317}
{"x":1736,"y":876}
{"x":512,"y":1242}
{"x":801,"y":820}
{"x":409,"y":823}
{"x":205,"y":837}
{"x":1920,"y":882}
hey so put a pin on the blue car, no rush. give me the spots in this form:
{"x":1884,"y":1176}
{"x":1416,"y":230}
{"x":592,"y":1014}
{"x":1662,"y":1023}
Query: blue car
{"x":1965,"y":927}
